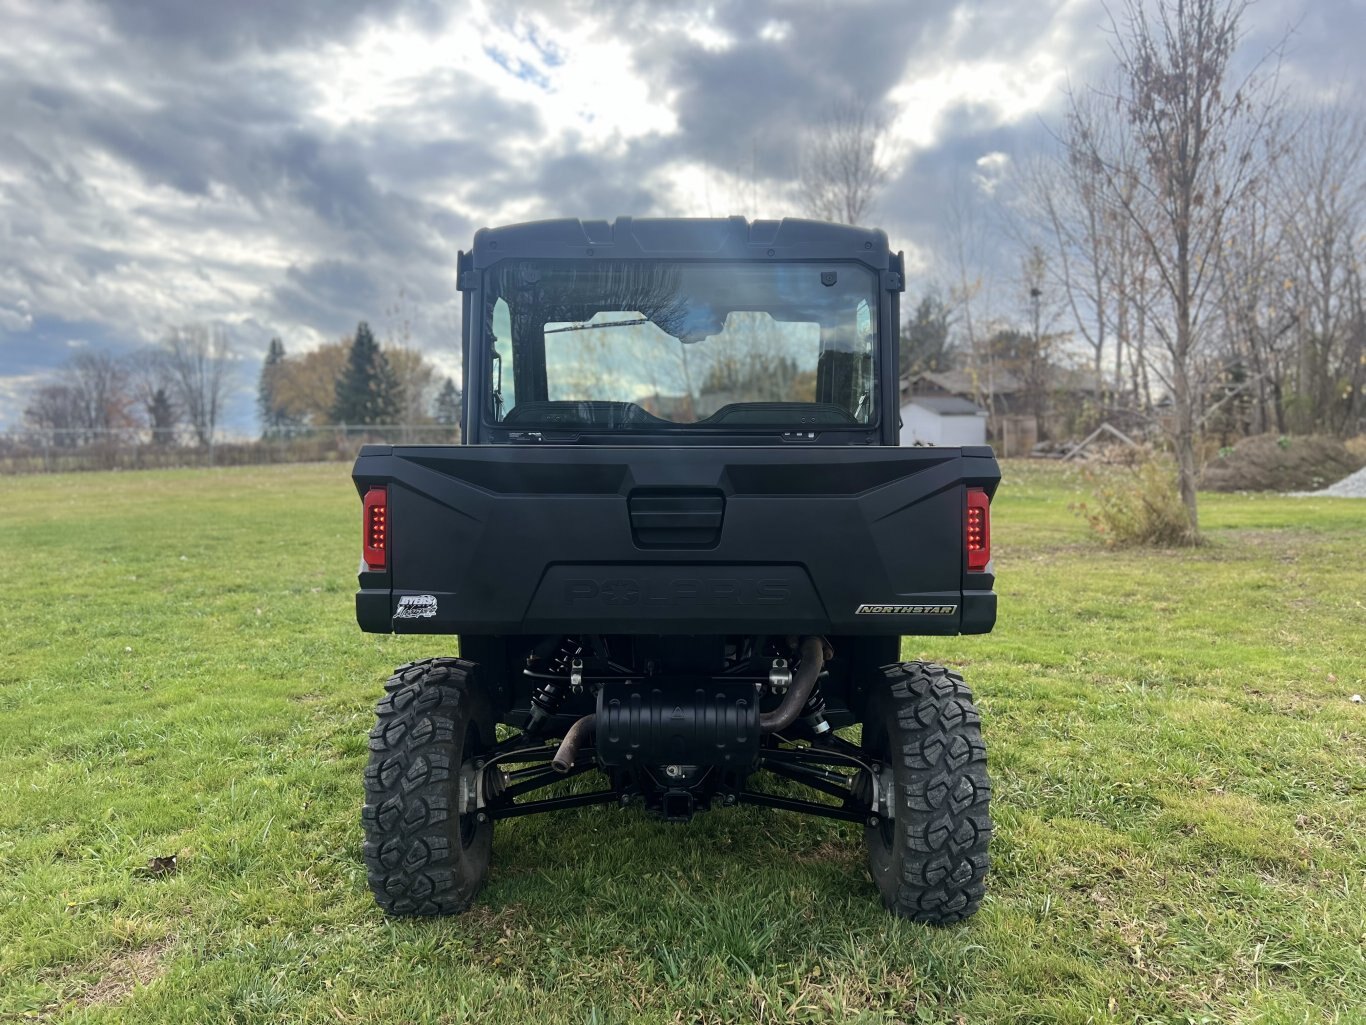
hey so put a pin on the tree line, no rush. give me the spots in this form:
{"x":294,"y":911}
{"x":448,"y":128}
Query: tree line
{"x":353,"y":381}
{"x":1194,"y":238}
{"x":1208,"y":236}
{"x":177,"y":390}
{"x":180,"y":385}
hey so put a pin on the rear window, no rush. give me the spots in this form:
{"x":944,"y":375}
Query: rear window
{"x":641,"y":343}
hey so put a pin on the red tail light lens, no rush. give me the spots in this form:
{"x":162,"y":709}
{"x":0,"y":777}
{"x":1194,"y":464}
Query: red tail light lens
{"x":375,"y":529}
{"x":977,"y":530}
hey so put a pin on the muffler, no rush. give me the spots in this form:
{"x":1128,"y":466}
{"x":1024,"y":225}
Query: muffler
{"x":675,"y":723}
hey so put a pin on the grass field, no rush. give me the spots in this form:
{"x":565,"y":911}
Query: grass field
{"x":1180,"y":792}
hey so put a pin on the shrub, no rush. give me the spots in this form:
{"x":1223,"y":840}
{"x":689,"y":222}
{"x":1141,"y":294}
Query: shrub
{"x":1136,"y":504}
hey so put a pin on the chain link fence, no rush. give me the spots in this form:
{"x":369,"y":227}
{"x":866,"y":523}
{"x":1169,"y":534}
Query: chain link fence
{"x":142,"y":448}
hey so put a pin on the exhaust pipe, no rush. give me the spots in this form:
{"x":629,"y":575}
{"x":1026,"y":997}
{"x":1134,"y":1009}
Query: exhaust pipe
{"x":814,"y":652}
{"x":568,"y":751}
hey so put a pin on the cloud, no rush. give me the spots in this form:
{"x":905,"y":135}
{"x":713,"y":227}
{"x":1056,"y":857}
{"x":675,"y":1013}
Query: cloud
{"x":290,"y":168}
{"x":220,"y":31}
{"x":15,"y":319}
{"x":45,"y":343}
{"x":333,"y":294}
{"x":991,"y":169}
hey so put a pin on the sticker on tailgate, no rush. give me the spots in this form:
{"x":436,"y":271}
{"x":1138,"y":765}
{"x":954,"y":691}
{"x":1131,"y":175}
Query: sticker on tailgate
{"x":906,"y":610}
{"x":416,"y":606}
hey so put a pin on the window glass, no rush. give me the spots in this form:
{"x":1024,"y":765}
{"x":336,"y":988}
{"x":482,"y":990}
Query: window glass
{"x":504,"y":382}
{"x":641,"y":343}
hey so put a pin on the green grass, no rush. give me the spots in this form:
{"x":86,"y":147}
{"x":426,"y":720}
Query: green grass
{"x":1180,"y":792}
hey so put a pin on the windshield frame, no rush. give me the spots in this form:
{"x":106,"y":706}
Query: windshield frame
{"x":653,"y":429}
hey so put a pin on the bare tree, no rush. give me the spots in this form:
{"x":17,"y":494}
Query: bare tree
{"x":1203,"y":143}
{"x":101,"y":381}
{"x":197,"y":359}
{"x":417,"y":378}
{"x":1133,"y":288}
{"x":1256,"y":318}
{"x":1323,"y":216}
{"x":153,"y":388}
{"x":844,"y":164}
{"x":416,"y":383}
{"x":968,"y":296}
{"x":57,"y":408}
{"x":1354,"y":417}
{"x":1083,"y":270}
{"x":1093,"y":266}
{"x":1041,"y":342}
{"x":90,"y":394}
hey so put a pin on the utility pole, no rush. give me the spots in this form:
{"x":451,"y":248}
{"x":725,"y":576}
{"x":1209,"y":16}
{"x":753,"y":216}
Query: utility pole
{"x":1035,"y":294}
{"x":1037,"y":370}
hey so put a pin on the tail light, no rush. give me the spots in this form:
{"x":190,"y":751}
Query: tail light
{"x":977,"y":530}
{"x":375,"y":529}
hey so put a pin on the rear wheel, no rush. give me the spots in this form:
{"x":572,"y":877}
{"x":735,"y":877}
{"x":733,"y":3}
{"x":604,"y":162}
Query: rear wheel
{"x":422,"y":855}
{"x":928,"y":849}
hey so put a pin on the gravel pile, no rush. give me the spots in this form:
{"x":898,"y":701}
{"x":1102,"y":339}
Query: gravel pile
{"x":1353,"y":486}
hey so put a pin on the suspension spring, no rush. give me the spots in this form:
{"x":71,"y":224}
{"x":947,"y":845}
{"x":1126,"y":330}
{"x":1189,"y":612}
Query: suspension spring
{"x":545,"y":702}
{"x":549,"y":694}
{"x":569,"y":647}
{"x":813,"y":712}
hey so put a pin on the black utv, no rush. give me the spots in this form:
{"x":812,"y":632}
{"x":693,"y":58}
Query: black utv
{"x":679,"y":545}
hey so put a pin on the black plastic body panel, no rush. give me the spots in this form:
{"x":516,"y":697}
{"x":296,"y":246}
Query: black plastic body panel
{"x":542,"y":540}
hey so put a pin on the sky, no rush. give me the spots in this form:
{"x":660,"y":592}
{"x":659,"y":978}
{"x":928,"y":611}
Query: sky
{"x":289,"y":169}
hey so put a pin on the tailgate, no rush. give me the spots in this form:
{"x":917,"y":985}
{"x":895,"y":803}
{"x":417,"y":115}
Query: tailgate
{"x":578,"y":539}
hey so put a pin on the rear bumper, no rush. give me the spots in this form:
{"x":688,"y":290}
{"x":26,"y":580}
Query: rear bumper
{"x":378,"y":611}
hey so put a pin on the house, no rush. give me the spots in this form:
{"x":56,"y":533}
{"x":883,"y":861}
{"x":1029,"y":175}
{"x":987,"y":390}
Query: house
{"x":942,"y":420}
{"x":1013,"y":424}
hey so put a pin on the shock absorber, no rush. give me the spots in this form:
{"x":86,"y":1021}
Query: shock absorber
{"x":813,"y":712}
{"x":549,"y":694}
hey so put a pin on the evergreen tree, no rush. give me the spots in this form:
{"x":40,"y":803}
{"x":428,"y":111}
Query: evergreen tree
{"x":925,"y":344}
{"x":368,"y":391}
{"x":446,"y":410}
{"x":273,"y":415}
{"x":162,"y":414}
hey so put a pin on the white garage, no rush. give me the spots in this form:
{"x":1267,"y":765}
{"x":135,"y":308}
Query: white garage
{"x":942,"y":420}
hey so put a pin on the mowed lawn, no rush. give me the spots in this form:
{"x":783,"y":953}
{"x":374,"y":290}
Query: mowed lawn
{"x":1180,"y":792}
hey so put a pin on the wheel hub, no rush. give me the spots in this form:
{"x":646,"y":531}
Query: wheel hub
{"x":884,"y":796}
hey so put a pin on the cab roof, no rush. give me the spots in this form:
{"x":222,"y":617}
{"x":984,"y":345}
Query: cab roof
{"x":716,"y":238}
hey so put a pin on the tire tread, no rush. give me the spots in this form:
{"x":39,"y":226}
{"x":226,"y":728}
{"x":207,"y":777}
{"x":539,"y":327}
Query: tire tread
{"x":943,"y":794}
{"x":409,"y":789}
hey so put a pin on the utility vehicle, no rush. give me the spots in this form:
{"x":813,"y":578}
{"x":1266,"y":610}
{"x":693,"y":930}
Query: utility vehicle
{"x":679,"y":545}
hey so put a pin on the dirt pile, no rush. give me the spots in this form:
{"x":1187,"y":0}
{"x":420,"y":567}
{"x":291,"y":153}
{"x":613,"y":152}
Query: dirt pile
{"x":1278,"y":463}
